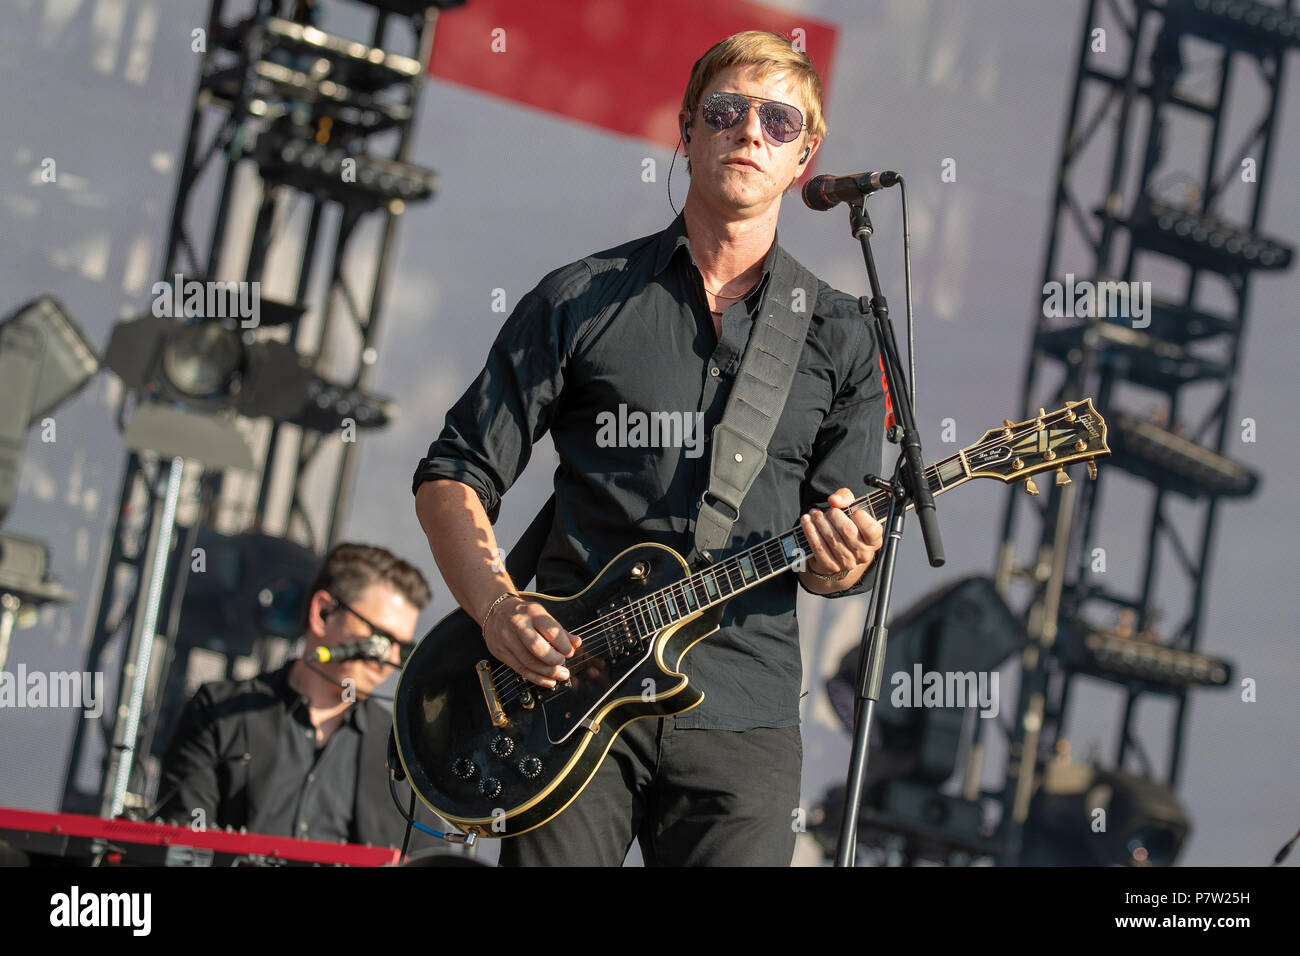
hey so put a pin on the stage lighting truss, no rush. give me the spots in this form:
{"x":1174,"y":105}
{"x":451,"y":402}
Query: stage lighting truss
{"x":1174,"y":463}
{"x":305,"y":71}
{"x":1257,"y":28}
{"x":1203,"y":241}
{"x":315,"y":100}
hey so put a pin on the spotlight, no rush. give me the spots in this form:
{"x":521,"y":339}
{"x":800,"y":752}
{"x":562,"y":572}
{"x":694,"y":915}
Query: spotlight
{"x":210,"y":365}
{"x":349,"y":178}
{"x":1205,"y":241}
{"x":248,"y":587}
{"x":1258,"y":28}
{"x":1130,"y":660}
{"x":44,"y":360}
{"x":203,"y":360}
{"x":1172,"y":462}
{"x":964,"y":628}
{"x":253,"y":585}
{"x":1144,"y":823}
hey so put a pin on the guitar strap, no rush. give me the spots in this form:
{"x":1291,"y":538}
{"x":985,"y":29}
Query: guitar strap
{"x":762,"y":386}
{"x":521,"y":562}
{"x":741,"y":438}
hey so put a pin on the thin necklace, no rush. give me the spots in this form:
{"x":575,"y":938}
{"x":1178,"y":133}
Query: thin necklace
{"x":721,"y":296}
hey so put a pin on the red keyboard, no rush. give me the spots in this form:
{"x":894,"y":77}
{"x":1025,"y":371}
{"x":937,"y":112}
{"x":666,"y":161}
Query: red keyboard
{"x":75,"y":839}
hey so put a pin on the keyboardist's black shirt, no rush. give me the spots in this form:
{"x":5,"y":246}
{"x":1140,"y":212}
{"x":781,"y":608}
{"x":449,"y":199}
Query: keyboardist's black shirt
{"x":590,"y":354}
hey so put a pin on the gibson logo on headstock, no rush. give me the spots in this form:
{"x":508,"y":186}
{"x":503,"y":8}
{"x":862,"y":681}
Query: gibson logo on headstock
{"x":990,"y":456}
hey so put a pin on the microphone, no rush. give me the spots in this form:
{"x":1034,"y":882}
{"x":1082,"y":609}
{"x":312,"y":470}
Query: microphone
{"x":375,"y":647}
{"x":825,"y":192}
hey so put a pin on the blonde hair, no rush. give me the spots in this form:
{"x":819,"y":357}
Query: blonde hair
{"x":771,"y":53}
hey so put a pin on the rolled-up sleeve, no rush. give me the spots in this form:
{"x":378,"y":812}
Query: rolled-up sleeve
{"x":488,"y":435}
{"x":848,"y":443}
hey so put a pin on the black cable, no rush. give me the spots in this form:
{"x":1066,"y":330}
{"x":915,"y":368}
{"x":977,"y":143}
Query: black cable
{"x":676,"y":211}
{"x":410,"y":825}
{"x":409,"y":817}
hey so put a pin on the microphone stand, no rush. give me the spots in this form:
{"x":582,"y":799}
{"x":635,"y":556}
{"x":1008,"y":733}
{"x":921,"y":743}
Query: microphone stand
{"x":906,"y":486}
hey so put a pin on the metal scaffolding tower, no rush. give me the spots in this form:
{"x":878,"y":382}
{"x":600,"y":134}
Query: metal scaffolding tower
{"x":1159,"y":182}
{"x":295,"y":155}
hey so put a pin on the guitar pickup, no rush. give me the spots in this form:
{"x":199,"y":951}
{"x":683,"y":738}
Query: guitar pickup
{"x":496,"y":712}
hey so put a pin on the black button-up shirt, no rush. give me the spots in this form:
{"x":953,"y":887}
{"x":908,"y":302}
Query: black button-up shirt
{"x":597,"y":351}
{"x":312,"y":790}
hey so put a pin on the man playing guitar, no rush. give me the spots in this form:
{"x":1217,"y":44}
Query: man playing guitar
{"x":659,"y":326}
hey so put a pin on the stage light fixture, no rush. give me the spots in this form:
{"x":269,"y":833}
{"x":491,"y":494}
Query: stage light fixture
{"x":1144,"y":823}
{"x":210,"y":365}
{"x":1258,"y":28}
{"x":203,"y":360}
{"x":1172,"y":462}
{"x":44,"y":360}
{"x":1134,"y":660}
{"x":286,"y":155}
{"x":254,"y":585}
{"x":1205,"y":241}
{"x":962,"y":628}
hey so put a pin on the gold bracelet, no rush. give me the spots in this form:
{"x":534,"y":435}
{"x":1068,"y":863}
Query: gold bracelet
{"x":832,"y":578}
{"x":493,"y":606}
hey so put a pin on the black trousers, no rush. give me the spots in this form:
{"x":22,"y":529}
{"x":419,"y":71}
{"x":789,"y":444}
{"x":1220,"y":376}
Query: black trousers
{"x":691,"y":798}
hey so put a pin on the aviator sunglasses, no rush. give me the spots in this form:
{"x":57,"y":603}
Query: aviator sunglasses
{"x":781,"y":122}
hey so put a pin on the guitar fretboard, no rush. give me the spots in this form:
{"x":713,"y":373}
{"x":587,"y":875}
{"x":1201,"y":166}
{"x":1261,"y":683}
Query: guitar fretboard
{"x":746,"y":569}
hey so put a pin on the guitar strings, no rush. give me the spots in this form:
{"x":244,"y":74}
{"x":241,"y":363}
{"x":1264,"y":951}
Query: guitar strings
{"x":638,"y":616}
{"x":638,"y":612}
{"x":630,"y":619}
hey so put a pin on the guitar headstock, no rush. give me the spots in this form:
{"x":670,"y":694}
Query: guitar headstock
{"x":1048,"y":442}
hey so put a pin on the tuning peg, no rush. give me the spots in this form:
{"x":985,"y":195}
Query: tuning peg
{"x":1092,"y":471}
{"x":1061,"y":477}
{"x":1031,"y":488}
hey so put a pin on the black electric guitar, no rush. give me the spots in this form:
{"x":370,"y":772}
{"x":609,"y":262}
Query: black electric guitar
{"x":497,"y":755}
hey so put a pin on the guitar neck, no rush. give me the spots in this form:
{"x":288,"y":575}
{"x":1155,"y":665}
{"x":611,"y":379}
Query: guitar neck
{"x":721,"y":581}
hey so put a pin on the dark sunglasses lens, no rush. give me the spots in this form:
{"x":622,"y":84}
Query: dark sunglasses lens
{"x":722,"y":111}
{"x":782,"y":122}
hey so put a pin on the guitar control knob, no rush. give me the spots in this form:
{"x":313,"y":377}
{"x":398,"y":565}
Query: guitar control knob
{"x":464,"y":768}
{"x":502,"y":745}
{"x":530,"y":767}
{"x":490,"y":787}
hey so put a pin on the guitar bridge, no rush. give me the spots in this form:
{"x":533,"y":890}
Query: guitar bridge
{"x":496,"y":712}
